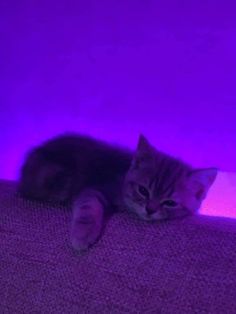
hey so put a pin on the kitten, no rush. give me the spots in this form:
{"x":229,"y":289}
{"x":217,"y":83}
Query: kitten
{"x":96,"y":177}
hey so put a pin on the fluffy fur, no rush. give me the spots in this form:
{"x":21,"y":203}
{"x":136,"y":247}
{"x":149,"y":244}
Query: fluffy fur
{"x":95,"y":176}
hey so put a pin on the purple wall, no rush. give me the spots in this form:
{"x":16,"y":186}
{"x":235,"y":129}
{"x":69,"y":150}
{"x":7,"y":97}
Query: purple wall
{"x":117,"y":68}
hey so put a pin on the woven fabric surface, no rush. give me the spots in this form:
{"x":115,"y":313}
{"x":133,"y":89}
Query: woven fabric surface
{"x":184,"y":266}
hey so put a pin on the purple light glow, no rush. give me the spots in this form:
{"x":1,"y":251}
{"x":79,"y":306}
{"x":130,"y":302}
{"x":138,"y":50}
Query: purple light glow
{"x":221,"y":200}
{"x":117,"y":69}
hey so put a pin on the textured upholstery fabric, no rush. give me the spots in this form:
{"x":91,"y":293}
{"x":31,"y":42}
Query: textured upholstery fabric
{"x":185,"y":266}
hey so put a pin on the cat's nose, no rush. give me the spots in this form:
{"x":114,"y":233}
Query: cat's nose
{"x":150,"y":210}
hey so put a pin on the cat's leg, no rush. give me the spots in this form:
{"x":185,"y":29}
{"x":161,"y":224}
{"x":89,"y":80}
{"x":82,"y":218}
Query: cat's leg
{"x":88,"y":218}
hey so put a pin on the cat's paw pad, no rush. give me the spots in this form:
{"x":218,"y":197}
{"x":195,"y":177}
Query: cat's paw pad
{"x":84,"y":232}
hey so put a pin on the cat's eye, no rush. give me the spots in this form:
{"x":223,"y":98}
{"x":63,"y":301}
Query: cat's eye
{"x":169,"y":203}
{"x":143,"y":191}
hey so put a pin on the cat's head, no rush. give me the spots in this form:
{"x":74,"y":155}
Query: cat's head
{"x":159,"y":187}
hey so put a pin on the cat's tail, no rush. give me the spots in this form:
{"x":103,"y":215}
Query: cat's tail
{"x":43,"y":179}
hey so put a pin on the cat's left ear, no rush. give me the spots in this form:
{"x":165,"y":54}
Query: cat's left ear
{"x":144,"y":146}
{"x":201,"y":180}
{"x":144,"y":153}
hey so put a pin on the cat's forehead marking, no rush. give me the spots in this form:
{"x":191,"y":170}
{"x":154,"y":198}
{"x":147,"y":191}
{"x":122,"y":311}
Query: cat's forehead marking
{"x":167,"y":174}
{"x":154,"y":181}
{"x":163,"y":187}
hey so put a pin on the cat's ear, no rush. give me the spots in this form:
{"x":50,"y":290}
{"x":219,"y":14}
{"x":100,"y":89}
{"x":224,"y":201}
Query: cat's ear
{"x":201,"y":180}
{"x":143,"y":145}
{"x":144,"y":153}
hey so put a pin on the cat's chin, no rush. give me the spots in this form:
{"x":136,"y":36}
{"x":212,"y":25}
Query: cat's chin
{"x":150,"y":218}
{"x":144,"y":216}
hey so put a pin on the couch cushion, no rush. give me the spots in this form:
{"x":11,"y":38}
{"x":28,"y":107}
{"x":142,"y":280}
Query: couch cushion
{"x":184,"y":266}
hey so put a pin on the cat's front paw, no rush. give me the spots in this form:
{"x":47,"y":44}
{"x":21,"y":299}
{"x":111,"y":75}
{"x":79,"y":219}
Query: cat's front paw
{"x":87,"y":221}
{"x":84,"y":232}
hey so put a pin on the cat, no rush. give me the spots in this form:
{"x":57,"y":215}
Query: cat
{"x":97,"y":177}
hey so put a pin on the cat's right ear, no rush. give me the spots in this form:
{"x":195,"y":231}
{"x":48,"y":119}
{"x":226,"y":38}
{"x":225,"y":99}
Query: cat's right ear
{"x":201,"y":180}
